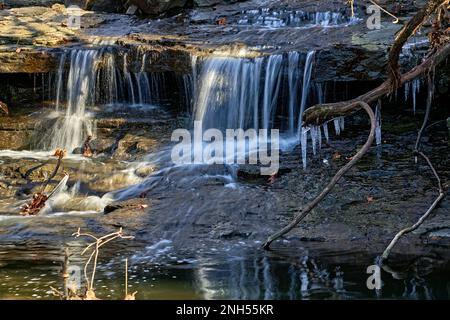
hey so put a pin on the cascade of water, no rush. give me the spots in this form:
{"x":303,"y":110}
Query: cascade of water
{"x":293,"y":18}
{"x":113,"y":79}
{"x":69,"y":132}
{"x":293,"y":79}
{"x":60,"y":77}
{"x":228,"y":93}
{"x":271,"y":88}
{"x":143,"y":84}
{"x":129,"y":78}
{"x":306,"y":82}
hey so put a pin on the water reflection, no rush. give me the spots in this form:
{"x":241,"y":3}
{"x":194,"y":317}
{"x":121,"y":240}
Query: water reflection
{"x":243,"y":275}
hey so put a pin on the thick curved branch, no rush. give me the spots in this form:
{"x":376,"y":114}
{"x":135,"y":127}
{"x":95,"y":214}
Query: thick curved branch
{"x":307,"y":209}
{"x":320,"y":113}
{"x":402,"y":37}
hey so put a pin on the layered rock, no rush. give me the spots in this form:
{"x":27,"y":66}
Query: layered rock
{"x":158,"y":6}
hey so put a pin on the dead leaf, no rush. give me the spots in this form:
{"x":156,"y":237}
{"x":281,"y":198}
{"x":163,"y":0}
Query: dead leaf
{"x":221,"y":21}
{"x":272,"y":178}
{"x":4,"y":107}
{"x":37,"y":203}
{"x":336,"y":156}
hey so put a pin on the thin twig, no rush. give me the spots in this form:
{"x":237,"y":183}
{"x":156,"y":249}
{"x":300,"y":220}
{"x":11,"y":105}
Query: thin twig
{"x":98,"y":243}
{"x":402,"y":232}
{"x":307,"y":209}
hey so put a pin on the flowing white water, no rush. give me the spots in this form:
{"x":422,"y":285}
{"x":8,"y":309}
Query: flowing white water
{"x":60,"y":76}
{"x":293,"y":79}
{"x":271,"y":88}
{"x":246,"y":93}
{"x":70,"y":131}
{"x":272,"y":18}
{"x":306,"y":83}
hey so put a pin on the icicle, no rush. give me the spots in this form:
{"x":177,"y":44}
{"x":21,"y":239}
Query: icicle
{"x":304,"y":146}
{"x":407,"y":85}
{"x":337,"y":126}
{"x":325,"y":132}
{"x":313,"y":132}
{"x":378,"y":123}
{"x":319,"y":137}
{"x":415,"y":90}
{"x":342,"y":123}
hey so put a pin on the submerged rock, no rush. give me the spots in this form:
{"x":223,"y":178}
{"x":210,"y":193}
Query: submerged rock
{"x":129,"y":206}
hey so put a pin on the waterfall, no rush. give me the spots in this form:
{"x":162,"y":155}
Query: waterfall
{"x":59,"y":93}
{"x":293,"y":59}
{"x":245,"y":93}
{"x":94,"y":76}
{"x":271,"y":88}
{"x":272,"y":18}
{"x":306,"y":82}
{"x":302,"y":133}
{"x":228,"y":92}
{"x":70,"y":131}
{"x":232,"y":92}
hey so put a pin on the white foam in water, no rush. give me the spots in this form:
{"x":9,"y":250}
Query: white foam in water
{"x":38,"y":155}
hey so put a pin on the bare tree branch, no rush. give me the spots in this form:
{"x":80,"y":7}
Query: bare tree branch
{"x":320,"y":113}
{"x":307,"y":209}
{"x":402,"y":232}
{"x":409,"y":29}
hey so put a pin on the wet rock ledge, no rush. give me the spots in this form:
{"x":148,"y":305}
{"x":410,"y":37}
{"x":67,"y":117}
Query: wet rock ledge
{"x":33,"y":37}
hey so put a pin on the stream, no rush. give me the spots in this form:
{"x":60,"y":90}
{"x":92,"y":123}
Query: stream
{"x":198,"y":228}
